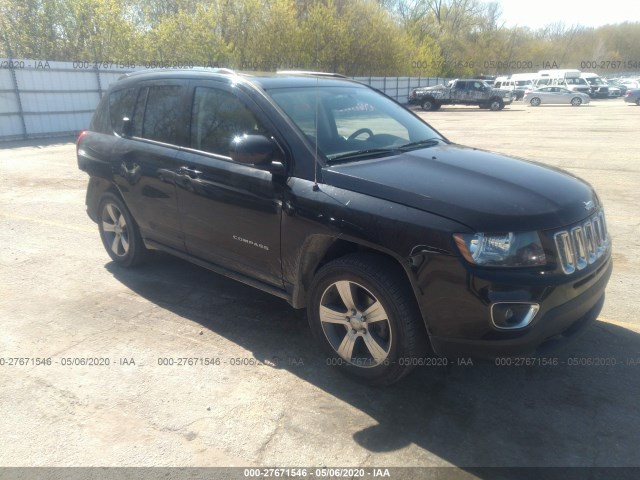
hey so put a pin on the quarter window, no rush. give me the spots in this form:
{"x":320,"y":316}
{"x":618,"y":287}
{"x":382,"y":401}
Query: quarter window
{"x":121,"y":103}
{"x":217,"y":117}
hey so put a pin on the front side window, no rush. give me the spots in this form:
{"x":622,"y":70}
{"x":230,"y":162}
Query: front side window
{"x":217,"y":117}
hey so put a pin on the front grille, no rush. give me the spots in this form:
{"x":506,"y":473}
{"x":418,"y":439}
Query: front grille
{"x":582,"y":244}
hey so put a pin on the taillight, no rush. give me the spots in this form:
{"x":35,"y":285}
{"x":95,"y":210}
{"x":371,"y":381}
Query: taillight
{"x":82,"y":134}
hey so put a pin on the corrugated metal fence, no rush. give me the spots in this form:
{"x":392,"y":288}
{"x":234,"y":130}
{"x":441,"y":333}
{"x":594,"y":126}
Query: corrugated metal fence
{"x":47,"y":99}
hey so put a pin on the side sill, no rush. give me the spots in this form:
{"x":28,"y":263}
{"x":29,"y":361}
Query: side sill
{"x":265,"y":287}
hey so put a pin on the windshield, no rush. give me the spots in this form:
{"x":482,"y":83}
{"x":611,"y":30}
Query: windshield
{"x":595,"y":81}
{"x":353,"y":122}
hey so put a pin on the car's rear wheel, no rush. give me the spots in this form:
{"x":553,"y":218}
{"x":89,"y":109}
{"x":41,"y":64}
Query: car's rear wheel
{"x":535,"y":101}
{"x":576,"y":101}
{"x":364,"y":315}
{"x":638,"y":101}
{"x":119,"y":232}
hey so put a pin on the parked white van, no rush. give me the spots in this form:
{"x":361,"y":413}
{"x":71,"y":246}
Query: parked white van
{"x":570,"y":79}
{"x":517,"y":83}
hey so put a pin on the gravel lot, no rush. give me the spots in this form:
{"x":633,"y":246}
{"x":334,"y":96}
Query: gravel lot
{"x":272,"y":401}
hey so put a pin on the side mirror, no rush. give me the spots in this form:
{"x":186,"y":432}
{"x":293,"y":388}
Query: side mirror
{"x":127,"y":127}
{"x":256,"y":150}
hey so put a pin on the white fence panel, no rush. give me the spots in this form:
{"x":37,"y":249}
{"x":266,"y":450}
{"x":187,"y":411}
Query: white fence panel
{"x":42,"y":99}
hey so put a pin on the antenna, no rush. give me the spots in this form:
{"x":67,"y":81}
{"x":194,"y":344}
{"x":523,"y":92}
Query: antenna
{"x":316,"y":162}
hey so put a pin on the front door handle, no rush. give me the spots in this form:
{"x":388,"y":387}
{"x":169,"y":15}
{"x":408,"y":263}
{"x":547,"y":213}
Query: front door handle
{"x":190,"y":172}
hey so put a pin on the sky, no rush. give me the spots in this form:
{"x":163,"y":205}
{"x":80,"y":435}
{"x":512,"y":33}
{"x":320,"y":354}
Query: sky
{"x":538,"y":13}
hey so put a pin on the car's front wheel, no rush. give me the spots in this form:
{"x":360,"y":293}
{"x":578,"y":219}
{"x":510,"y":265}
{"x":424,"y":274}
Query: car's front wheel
{"x":430,"y":105}
{"x":364,"y":315}
{"x":576,"y":101}
{"x":119,"y":232}
{"x":496,"y":105}
{"x":535,"y":101}
{"x":638,"y":101}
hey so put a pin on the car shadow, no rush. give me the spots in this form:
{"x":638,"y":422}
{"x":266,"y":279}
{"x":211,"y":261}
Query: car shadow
{"x":464,"y":109}
{"x":582,"y":411}
{"x":40,"y":142}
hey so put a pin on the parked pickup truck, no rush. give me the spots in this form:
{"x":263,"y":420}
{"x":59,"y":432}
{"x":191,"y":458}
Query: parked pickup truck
{"x":464,"y":92}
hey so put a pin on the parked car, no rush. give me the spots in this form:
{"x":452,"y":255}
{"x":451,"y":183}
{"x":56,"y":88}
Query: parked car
{"x":461,"y":92}
{"x":599,"y":88}
{"x":396,"y":240}
{"x":633,"y":96}
{"x":630,"y":83}
{"x":555,"y":95}
{"x":620,"y":86}
{"x":614,"y":91}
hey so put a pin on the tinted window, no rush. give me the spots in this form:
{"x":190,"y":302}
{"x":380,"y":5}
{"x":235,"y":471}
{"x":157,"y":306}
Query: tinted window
{"x":217,"y":117}
{"x":100,"y":120}
{"x":121,"y":104}
{"x":162,"y":119}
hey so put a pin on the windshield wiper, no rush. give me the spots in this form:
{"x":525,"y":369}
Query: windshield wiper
{"x":381,"y":151}
{"x":362,"y":153}
{"x":430,"y":142}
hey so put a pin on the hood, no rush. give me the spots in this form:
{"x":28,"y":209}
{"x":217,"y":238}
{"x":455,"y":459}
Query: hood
{"x":484,"y":191}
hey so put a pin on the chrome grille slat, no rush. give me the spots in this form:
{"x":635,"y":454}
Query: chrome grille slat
{"x":580,"y":250}
{"x":582,"y":244}
{"x":590,"y":242}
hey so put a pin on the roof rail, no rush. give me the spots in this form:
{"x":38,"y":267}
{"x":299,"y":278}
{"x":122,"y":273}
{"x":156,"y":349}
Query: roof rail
{"x":305,"y":72}
{"x":224,"y":71}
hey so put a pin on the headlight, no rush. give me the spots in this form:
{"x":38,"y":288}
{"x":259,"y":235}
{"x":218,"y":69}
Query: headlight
{"x":501,"y":249}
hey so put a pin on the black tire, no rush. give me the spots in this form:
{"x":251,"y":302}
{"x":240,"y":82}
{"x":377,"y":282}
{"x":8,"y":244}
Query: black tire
{"x":496,"y":104}
{"x":638,"y":101}
{"x":429,"y":104}
{"x":576,"y":101}
{"x":535,"y":102}
{"x":346,"y":336}
{"x":119,"y":232}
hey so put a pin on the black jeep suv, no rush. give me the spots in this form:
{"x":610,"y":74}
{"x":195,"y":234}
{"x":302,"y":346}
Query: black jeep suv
{"x":329,"y":194}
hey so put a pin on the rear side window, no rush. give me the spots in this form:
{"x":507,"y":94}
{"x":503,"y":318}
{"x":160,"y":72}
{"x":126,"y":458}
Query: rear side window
{"x":121,"y":104}
{"x":217,"y":117}
{"x":163,"y":114}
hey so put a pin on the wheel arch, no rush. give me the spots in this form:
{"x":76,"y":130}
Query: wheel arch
{"x":431,"y":99}
{"x":498,"y":99}
{"x":319,"y":250}
{"x":96,"y":189}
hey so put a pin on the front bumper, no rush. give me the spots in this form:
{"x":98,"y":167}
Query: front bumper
{"x":462,"y":327}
